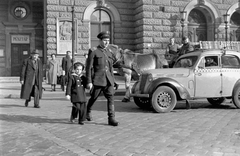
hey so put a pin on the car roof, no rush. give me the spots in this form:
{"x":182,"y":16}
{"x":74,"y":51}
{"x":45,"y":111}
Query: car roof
{"x":203,"y":52}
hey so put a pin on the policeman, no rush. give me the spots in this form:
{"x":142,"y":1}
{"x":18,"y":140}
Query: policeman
{"x":100,"y":77}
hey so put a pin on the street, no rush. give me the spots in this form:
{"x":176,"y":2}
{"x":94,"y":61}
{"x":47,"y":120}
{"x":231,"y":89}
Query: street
{"x":200,"y":131}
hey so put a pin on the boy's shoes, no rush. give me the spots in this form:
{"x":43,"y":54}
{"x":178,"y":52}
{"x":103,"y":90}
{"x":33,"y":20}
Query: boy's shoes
{"x":26,"y":103}
{"x":81,"y":123}
{"x":71,"y":119}
{"x":125,"y":100}
{"x":116,"y":86}
{"x":36,"y":106}
{"x":89,"y":117}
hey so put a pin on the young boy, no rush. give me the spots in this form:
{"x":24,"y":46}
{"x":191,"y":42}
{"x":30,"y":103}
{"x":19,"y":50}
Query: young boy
{"x":76,"y":93}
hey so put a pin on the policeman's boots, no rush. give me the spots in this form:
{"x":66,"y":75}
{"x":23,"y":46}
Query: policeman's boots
{"x":112,"y":121}
{"x":111,"y":115}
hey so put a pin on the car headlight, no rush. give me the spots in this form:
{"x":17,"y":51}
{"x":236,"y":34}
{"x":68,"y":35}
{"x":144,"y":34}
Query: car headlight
{"x":150,"y":78}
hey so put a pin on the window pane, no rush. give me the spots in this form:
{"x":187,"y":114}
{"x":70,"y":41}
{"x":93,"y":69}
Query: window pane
{"x":106,"y":27}
{"x":211,"y":61}
{"x":94,"y":43}
{"x":230,"y":61}
{"x":94,"y":30}
{"x":105,"y":17}
{"x":100,"y":21}
{"x":95,"y":16}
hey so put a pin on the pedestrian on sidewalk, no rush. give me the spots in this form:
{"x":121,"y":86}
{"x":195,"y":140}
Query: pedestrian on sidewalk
{"x":75,"y":92}
{"x":66,"y":65}
{"x":53,"y":71}
{"x":100,"y":77}
{"x":31,"y":79}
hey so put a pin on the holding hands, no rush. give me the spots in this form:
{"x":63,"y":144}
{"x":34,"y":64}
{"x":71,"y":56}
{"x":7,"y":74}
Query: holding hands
{"x":89,"y":86}
{"x":68,"y":97}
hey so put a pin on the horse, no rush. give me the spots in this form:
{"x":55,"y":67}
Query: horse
{"x":136,"y":63}
{"x":131,"y":65}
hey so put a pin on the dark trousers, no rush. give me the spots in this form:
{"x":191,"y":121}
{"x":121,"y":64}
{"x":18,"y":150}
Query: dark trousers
{"x":79,"y":108}
{"x":35,"y":94}
{"x":64,"y":80}
{"x":108,"y":92}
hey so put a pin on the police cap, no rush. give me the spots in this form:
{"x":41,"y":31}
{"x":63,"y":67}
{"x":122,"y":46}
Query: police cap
{"x":104,"y":34}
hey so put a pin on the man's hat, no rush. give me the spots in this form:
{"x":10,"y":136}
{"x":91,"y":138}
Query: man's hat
{"x":35,"y":52}
{"x":104,"y":34}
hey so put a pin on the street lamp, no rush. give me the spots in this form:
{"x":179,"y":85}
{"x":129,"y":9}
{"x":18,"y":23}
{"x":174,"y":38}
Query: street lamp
{"x":225,"y":16}
{"x":73,"y":32}
{"x":183,"y":16}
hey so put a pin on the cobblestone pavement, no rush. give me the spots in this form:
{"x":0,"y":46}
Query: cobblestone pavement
{"x":201,"y":131}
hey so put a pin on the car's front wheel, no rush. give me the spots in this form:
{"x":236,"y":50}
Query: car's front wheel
{"x":236,"y":96}
{"x":216,"y":101}
{"x":163,"y":99}
{"x":142,"y":102}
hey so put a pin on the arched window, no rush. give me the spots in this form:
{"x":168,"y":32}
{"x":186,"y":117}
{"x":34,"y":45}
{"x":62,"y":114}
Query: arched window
{"x":100,"y":21}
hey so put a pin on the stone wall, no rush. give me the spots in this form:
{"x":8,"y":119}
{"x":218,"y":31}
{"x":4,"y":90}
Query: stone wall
{"x":3,"y":17}
{"x":145,"y":25}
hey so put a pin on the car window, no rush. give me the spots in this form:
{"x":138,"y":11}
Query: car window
{"x":186,"y":62}
{"x":230,"y":61}
{"x":211,"y":61}
{"x":208,"y":62}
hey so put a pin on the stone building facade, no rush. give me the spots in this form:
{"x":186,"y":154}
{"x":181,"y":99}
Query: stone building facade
{"x":142,"y":26}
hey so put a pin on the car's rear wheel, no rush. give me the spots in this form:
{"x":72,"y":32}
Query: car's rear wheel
{"x":164,"y":99}
{"x":236,"y":96}
{"x":216,"y":101}
{"x":142,"y":102}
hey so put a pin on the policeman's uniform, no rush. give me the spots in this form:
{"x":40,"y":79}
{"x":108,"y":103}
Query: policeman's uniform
{"x":99,"y":72}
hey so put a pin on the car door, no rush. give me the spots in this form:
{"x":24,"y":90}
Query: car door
{"x":208,"y":78}
{"x":230,"y":73}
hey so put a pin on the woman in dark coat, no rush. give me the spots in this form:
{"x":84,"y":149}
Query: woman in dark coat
{"x":31,"y":79}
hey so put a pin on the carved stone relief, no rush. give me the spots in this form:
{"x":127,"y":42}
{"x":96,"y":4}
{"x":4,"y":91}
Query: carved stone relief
{"x":65,"y":30}
{"x":65,"y":36}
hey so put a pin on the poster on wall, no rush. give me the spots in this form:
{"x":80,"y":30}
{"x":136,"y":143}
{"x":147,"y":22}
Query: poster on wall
{"x":65,"y":36}
{"x":25,"y":52}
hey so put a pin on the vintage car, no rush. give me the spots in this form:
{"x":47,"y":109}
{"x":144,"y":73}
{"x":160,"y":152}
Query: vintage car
{"x":210,"y":74}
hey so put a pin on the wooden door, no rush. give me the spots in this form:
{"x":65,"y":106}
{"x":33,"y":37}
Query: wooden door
{"x":19,"y":52}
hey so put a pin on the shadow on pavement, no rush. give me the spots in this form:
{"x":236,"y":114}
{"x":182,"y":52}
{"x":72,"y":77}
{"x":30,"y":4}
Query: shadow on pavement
{"x":11,"y":105}
{"x":31,"y":119}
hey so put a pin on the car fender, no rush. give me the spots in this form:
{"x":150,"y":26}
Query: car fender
{"x":179,"y":89}
{"x":236,"y":85}
{"x":134,"y":87}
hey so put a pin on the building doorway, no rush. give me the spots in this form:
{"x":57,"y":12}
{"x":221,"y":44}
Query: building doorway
{"x":19,"y":52}
{"x":197,"y":26}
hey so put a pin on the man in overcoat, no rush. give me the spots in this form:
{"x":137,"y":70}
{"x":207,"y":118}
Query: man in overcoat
{"x":31,"y":79}
{"x":66,"y":65}
{"x":100,"y":77}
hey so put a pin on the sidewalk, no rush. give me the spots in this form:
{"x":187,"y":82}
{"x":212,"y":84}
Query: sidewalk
{"x":10,"y":88}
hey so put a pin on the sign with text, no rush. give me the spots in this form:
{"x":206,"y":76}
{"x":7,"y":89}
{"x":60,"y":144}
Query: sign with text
{"x":20,"y":39}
